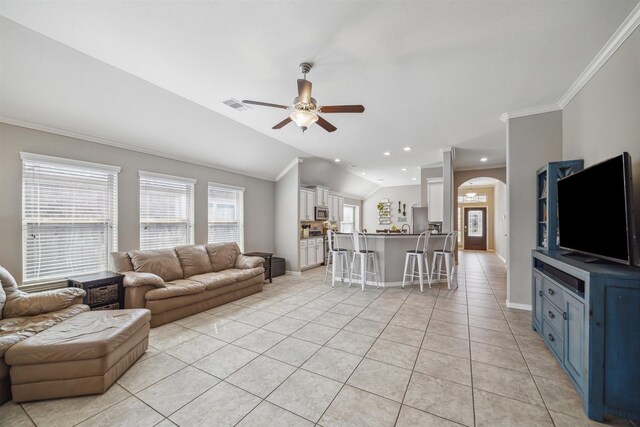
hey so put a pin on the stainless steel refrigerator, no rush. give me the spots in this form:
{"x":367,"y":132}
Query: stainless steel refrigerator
{"x":419,"y":219}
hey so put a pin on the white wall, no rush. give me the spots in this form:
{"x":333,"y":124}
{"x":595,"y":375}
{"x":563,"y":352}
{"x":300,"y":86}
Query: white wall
{"x":500,"y":219}
{"x":259,"y":194}
{"x":287,"y":218}
{"x":603,"y":120}
{"x":407,"y":194}
{"x":532,"y":141}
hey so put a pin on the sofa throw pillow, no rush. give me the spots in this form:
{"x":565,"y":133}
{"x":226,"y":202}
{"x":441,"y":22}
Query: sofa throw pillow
{"x":161,"y":262}
{"x":121,"y":262}
{"x":223,"y":255}
{"x":194,"y":260}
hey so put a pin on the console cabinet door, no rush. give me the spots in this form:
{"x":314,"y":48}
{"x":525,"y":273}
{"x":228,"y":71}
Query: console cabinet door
{"x":574,"y":338}
{"x":537,"y":300}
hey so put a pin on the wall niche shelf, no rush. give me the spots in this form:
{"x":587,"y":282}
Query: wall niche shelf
{"x":547,"y":200}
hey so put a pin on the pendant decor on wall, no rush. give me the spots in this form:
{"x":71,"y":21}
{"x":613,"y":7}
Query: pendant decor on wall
{"x":384,"y":212}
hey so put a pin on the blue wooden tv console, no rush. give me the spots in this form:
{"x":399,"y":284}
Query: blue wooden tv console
{"x":588,"y":314}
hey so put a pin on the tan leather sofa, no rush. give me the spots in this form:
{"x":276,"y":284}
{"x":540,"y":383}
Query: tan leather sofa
{"x":23,"y":315}
{"x":181,"y":281}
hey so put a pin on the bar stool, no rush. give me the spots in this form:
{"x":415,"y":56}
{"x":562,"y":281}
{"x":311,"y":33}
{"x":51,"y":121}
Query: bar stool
{"x":445,"y":253}
{"x":335,"y":256}
{"x":363,"y":255}
{"x":419,"y":255}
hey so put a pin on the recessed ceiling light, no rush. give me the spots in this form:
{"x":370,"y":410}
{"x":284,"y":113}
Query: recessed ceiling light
{"x":387,"y":153}
{"x":380,"y":179}
{"x":337,"y":160}
{"x":404,"y":169}
{"x":407,"y":148}
{"x":484,"y":159}
{"x":363,"y":173}
{"x":414,"y":178}
{"x":352,"y":165}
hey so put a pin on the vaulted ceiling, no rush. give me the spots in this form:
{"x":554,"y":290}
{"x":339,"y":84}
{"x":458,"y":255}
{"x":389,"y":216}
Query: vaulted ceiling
{"x":431,"y":74}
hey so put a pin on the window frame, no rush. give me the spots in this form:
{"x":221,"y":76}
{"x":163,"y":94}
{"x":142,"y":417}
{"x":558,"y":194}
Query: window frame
{"x":189,"y":207}
{"x":356,"y":217}
{"x":108,"y":218}
{"x":240,"y":193}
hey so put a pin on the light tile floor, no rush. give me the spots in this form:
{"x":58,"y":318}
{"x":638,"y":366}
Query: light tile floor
{"x":301,"y":354}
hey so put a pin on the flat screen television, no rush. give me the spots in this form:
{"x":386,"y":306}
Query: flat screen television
{"x":595,"y":211}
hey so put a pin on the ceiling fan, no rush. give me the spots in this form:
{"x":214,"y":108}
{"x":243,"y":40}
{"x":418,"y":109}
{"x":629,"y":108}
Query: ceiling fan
{"x":304,"y":107}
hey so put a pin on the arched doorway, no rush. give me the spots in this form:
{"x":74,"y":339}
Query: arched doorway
{"x":480,"y":215}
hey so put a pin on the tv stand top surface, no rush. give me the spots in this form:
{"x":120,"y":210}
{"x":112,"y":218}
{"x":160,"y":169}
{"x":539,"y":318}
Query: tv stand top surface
{"x":581,"y":262}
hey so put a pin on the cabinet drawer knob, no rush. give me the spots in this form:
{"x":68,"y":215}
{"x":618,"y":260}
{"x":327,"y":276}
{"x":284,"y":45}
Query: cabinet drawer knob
{"x":551,"y":292}
{"x":551,"y":315}
{"x":551,"y":338}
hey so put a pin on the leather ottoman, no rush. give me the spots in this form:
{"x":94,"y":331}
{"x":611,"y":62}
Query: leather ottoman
{"x":82,"y":355}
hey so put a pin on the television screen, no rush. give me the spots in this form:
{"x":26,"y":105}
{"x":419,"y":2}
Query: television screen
{"x":593,"y":210}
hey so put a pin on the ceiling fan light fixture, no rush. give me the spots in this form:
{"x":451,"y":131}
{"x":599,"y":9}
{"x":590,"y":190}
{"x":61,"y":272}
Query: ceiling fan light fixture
{"x":304,"y":118}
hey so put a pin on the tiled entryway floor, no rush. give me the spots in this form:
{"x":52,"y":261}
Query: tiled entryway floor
{"x":301,"y":353}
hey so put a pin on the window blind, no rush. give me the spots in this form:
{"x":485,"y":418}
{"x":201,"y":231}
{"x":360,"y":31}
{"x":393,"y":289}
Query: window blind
{"x":166,"y":211}
{"x":226,"y":216}
{"x":69,"y":217}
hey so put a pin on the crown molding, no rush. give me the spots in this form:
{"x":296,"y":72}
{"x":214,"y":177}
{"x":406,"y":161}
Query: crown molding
{"x":627,"y":27}
{"x":287,"y":168}
{"x":371,"y":193}
{"x":529,"y":111}
{"x":98,"y":140}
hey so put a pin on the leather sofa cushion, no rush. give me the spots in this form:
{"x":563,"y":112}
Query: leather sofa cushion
{"x":223,"y":255}
{"x":246,"y":274}
{"x":194,"y":260}
{"x":161,"y":262}
{"x":88,"y":335}
{"x":3,"y":299}
{"x":175,"y":289}
{"x":216,"y":280}
{"x":121,"y":262}
{"x":133,"y":279}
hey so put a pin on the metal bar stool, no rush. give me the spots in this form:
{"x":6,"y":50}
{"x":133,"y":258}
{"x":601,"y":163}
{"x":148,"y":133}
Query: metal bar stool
{"x":364,"y":256}
{"x":445,"y":253}
{"x":419,"y":256}
{"x":335,"y":256}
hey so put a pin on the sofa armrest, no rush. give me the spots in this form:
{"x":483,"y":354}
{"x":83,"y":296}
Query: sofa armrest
{"x":24,"y":304}
{"x":134,"y":279}
{"x":245,"y":262}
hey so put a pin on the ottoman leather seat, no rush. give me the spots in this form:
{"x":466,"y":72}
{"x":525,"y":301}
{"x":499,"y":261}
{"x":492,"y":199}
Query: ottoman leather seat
{"x":83,"y":355}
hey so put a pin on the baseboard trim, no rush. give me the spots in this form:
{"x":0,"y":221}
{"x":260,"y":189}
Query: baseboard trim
{"x":501,"y":257}
{"x":293,"y":273}
{"x":519,"y":306}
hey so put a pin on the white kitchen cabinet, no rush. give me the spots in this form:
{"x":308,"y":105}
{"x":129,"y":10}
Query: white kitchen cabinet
{"x":322,"y":196}
{"x":340,"y":209}
{"x":304,"y":255}
{"x":307,"y":205}
{"x":336,"y":205}
{"x":319,"y":253}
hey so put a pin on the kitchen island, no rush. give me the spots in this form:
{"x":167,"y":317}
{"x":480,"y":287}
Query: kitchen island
{"x":391,"y":249}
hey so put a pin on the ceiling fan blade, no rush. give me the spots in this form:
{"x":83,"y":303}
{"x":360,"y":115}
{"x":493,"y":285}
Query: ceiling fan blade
{"x":264,"y":104}
{"x":342,"y":109}
{"x":282,"y":123}
{"x":325,"y":125}
{"x":304,"y":91}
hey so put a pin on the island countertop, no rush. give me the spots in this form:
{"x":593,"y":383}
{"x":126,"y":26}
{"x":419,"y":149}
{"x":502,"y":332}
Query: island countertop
{"x":390,"y":249}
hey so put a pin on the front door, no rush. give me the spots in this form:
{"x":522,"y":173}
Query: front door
{"x":475,"y":229}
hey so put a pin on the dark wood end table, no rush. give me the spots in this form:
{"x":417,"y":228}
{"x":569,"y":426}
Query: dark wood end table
{"x":268,"y":257}
{"x":105,"y":290}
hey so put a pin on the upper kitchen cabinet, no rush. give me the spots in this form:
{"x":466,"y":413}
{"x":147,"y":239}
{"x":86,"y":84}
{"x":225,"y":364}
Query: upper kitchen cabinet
{"x":336,"y":207}
{"x":322,"y":197}
{"x":307,"y":205}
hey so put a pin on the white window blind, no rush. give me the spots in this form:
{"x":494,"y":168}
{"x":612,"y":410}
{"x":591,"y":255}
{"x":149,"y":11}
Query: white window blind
{"x":69,"y":217}
{"x":226,"y":216}
{"x":166,"y":211}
